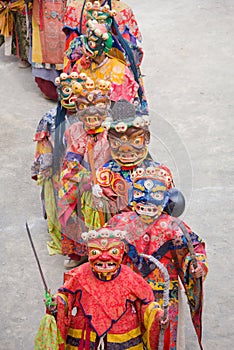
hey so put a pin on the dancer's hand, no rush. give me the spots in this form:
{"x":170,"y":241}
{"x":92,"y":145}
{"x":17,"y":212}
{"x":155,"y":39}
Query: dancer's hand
{"x":198,"y":272}
{"x":164,"y":322}
{"x":97,"y":191}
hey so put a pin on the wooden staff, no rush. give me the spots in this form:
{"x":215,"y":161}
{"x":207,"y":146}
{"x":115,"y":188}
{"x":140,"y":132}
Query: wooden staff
{"x":49,"y":302}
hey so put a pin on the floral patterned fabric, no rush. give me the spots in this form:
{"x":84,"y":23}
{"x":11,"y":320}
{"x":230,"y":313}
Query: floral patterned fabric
{"x":48,"y":336}
{"x":164,"y":240}
{"x":125,"y":17}
{"x":54,"y":227}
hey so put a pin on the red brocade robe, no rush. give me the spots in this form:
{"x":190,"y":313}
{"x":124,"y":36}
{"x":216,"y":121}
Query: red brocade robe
{"x":165,"y":240}
{"x":120,"y":313}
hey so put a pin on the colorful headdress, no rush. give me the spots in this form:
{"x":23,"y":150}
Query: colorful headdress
{"x":78,"y":92}
{"x":159,"y":172}
{"x":101,"y":14}
{"x":91,"y":94}
{"x":65,"y":92}
{"x":103,"y":233}
{"x":105,"y":251}
{"x":97,"y":40}
{"x":123,"y":116}
{"x":176,"y":201}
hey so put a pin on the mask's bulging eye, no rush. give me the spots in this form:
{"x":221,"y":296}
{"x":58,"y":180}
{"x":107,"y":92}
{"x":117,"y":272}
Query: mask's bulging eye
{"x":114,"y":251}
{"x":138,"y":141}
{"x":67,"y":90}
{"x":92,"y":44}
{"x":100,"y":105}
{"x":114,"y":143}
{"x":137,"y":194}
{"x":124,"y":139}
{"x":159,"y":195}
{"x":82,"y":106}
{"x":94,"y":252}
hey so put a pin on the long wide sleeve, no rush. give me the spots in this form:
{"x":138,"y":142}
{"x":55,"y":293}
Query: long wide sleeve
{"x":151,"y":315}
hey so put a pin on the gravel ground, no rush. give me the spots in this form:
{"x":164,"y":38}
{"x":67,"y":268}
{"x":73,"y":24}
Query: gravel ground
{"x":188,"y":68}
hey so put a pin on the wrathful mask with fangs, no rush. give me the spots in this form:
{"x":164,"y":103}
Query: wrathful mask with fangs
{"x":105,"y":256}
{"x":97,"y":40}
{"x":149,"y":197}
{"x":129,"y":148}
{"x":93,"y":108}
{"x":66,"y":94}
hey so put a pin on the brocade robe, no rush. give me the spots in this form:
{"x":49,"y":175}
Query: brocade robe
{"x":120,"y":313}
{"x":165,"y":240}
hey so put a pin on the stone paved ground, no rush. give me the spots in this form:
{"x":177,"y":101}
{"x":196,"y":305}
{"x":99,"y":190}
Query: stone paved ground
{"x":188,"y":68}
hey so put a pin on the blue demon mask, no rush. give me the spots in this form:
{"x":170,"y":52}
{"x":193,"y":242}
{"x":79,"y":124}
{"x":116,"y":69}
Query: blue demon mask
{"x":148,"y":198}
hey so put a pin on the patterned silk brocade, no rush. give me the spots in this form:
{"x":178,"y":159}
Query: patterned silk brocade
{"x":122,"y":310}
{"x":48,"y":39}
{"x":124,"y":18}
